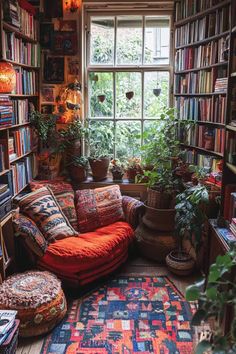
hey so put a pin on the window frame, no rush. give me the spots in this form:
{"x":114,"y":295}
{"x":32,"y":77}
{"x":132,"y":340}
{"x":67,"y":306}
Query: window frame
{"x":141,"y":68}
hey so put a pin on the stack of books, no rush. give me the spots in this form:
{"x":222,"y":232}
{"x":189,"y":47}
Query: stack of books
{"x":5,"y":193}
{"x":6,"y":110}
{"x":221,"y":84}
{"x":11,"y":12}
{"x":232,"y":226}
{"x":7,"y":324}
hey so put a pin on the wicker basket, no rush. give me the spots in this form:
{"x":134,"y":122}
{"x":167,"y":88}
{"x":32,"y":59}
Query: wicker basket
{"x":159,"y":200}
{"x":180,"y":266}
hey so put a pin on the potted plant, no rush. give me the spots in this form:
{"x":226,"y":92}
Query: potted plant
{"x":189,"y":226}
{"x":214,"y":294}
{"x":78,"y":168}
{"x":44,"y":126}
{"x":133,"y":169}
{"x":117,"y":170}
{"x":101,"y":139}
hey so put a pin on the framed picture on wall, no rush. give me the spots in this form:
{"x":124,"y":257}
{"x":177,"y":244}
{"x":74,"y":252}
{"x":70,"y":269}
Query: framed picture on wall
{"x":47,"y":108}
{"x":47,"y":94}
{"x":65,"y":25}
{"x":46,"y":35}
{"x":65,"y":43}
{"x":73,"y":66}
{"x":54,"y":69}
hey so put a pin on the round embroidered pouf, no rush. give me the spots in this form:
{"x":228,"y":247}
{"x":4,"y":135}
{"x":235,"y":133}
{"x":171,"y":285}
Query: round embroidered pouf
{"x":38,"y":298}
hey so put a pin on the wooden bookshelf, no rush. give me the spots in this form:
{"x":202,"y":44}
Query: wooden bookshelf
{"x":200,"y":56}
{"x":18,"y":131}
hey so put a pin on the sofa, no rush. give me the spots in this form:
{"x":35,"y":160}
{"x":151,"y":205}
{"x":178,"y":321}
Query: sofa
{"x":80,"y":235}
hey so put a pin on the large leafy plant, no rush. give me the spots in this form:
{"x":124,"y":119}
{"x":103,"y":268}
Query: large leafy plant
{"x":101,"y":140}
{"x":213,"y":299}
{"x":75,"y":130}
{"x":44,"y":125}
{"x":190,"y":214}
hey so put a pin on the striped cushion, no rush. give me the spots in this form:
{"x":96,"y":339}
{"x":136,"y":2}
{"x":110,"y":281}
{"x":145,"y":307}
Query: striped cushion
{"x":98,"y":207}
{"x":64,"y":194}
{"x":42,"y":207}
{"x":31,"y":235}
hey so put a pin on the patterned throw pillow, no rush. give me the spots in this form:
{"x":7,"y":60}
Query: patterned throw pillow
{"x":28,"y":230}
{"x":98,"y":207}
{"x":42,"y":207}
{"x":64,"y":194}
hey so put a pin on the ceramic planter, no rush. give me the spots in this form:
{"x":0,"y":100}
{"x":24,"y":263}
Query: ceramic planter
{"x":159,"y":200}
{"x":157,"y":92}
{"x":99,"y":168}
{"x":117,"y":176}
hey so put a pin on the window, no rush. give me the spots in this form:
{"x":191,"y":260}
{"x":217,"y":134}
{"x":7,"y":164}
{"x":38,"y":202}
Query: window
{"x":128,"y":60}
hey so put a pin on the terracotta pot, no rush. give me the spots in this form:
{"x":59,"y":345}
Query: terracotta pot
{"x":132,"y":173}
{"x":117,"y":176}
{"x":154,"y":244}
{"x":159,"y":219}
{"x":180,"y":262}
{"x":78,"y":173}
{"x":160,"y":200}
{"x":99,"y":168}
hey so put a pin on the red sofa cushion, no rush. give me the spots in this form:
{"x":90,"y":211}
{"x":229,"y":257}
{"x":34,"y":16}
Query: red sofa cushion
{"x":98,"y":207}
{"x":89,"y":251}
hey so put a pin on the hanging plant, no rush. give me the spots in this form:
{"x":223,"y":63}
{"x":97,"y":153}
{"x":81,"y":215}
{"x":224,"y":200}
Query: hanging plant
{"x":129,"y":95}
{"x":157,"y":91}
{"x":101,"y":98}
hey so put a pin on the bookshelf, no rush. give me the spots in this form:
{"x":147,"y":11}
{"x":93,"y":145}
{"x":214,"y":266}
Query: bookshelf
{"x":20,"y":47}
{"x":203,"y":32}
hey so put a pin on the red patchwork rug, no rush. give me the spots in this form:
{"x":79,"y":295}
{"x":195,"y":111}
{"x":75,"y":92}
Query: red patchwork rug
{"x":127,"y":315}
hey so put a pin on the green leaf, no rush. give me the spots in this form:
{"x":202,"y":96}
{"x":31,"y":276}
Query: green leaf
{"x":192,"y":293}
{"x":211,"y":293}
{"x":203,"y":346}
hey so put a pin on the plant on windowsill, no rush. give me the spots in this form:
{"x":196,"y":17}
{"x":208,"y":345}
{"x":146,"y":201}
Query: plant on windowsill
{"x":189,"y":227}
{"x":101,"y":140}
{"x":215,"y":295}
{"x":78,"y":168}
{"x":133,"y":169}
{"x":117,"y":170}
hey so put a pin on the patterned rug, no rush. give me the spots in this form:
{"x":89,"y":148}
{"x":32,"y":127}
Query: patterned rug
{"x":127,"y":315}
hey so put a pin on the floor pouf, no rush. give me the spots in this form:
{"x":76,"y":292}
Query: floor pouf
{"x":38,"y":298}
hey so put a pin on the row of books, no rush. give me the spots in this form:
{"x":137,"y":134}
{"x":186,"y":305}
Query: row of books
{"x":211,"y":139}
{"x":20,"y":14}
{"x":7,"y":324}
{"x":26,"y":82}
{"x":201,"y":109}
{"x":22,"y":52}
{"x":2,"y":157}
{"x":230,"y":202}
{"x":231,"y":147}
{"x":203,"y":55}
{"x":208,"y":26}
{"x":20,"y":142}
{"x":188,"y":8}
{"x":209,"y":163}
{"x":200,"y":82}
{"x":20,"y":111}
{"x":221,"y":84}
{"x":6,"y":110}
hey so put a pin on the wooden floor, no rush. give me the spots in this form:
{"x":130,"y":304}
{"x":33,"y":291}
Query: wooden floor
{"x":135,"y":266}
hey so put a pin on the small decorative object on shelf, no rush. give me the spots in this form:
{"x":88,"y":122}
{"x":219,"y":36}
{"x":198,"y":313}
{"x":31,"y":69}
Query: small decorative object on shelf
{"x":7,"y":77}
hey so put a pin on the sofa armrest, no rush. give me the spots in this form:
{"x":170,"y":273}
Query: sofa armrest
{"x":133,"y":210}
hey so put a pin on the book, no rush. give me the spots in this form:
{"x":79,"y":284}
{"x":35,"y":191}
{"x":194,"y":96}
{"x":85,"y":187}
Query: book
{"x":227,"y":235}
{"x":7,"y":318}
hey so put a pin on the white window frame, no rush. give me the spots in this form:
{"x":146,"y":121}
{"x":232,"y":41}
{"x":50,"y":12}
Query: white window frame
{"x":122,"y":68}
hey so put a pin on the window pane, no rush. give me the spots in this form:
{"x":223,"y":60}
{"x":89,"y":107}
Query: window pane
{"x":102,"y":41}
{"x":128,"y":140}
{"x":100,"y":95}
{"x":153,"y":104}
{"x":129,"y":40}
{"x":128,"y":95}
{"x":157,"y":40}
{"x":101,"y":142}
